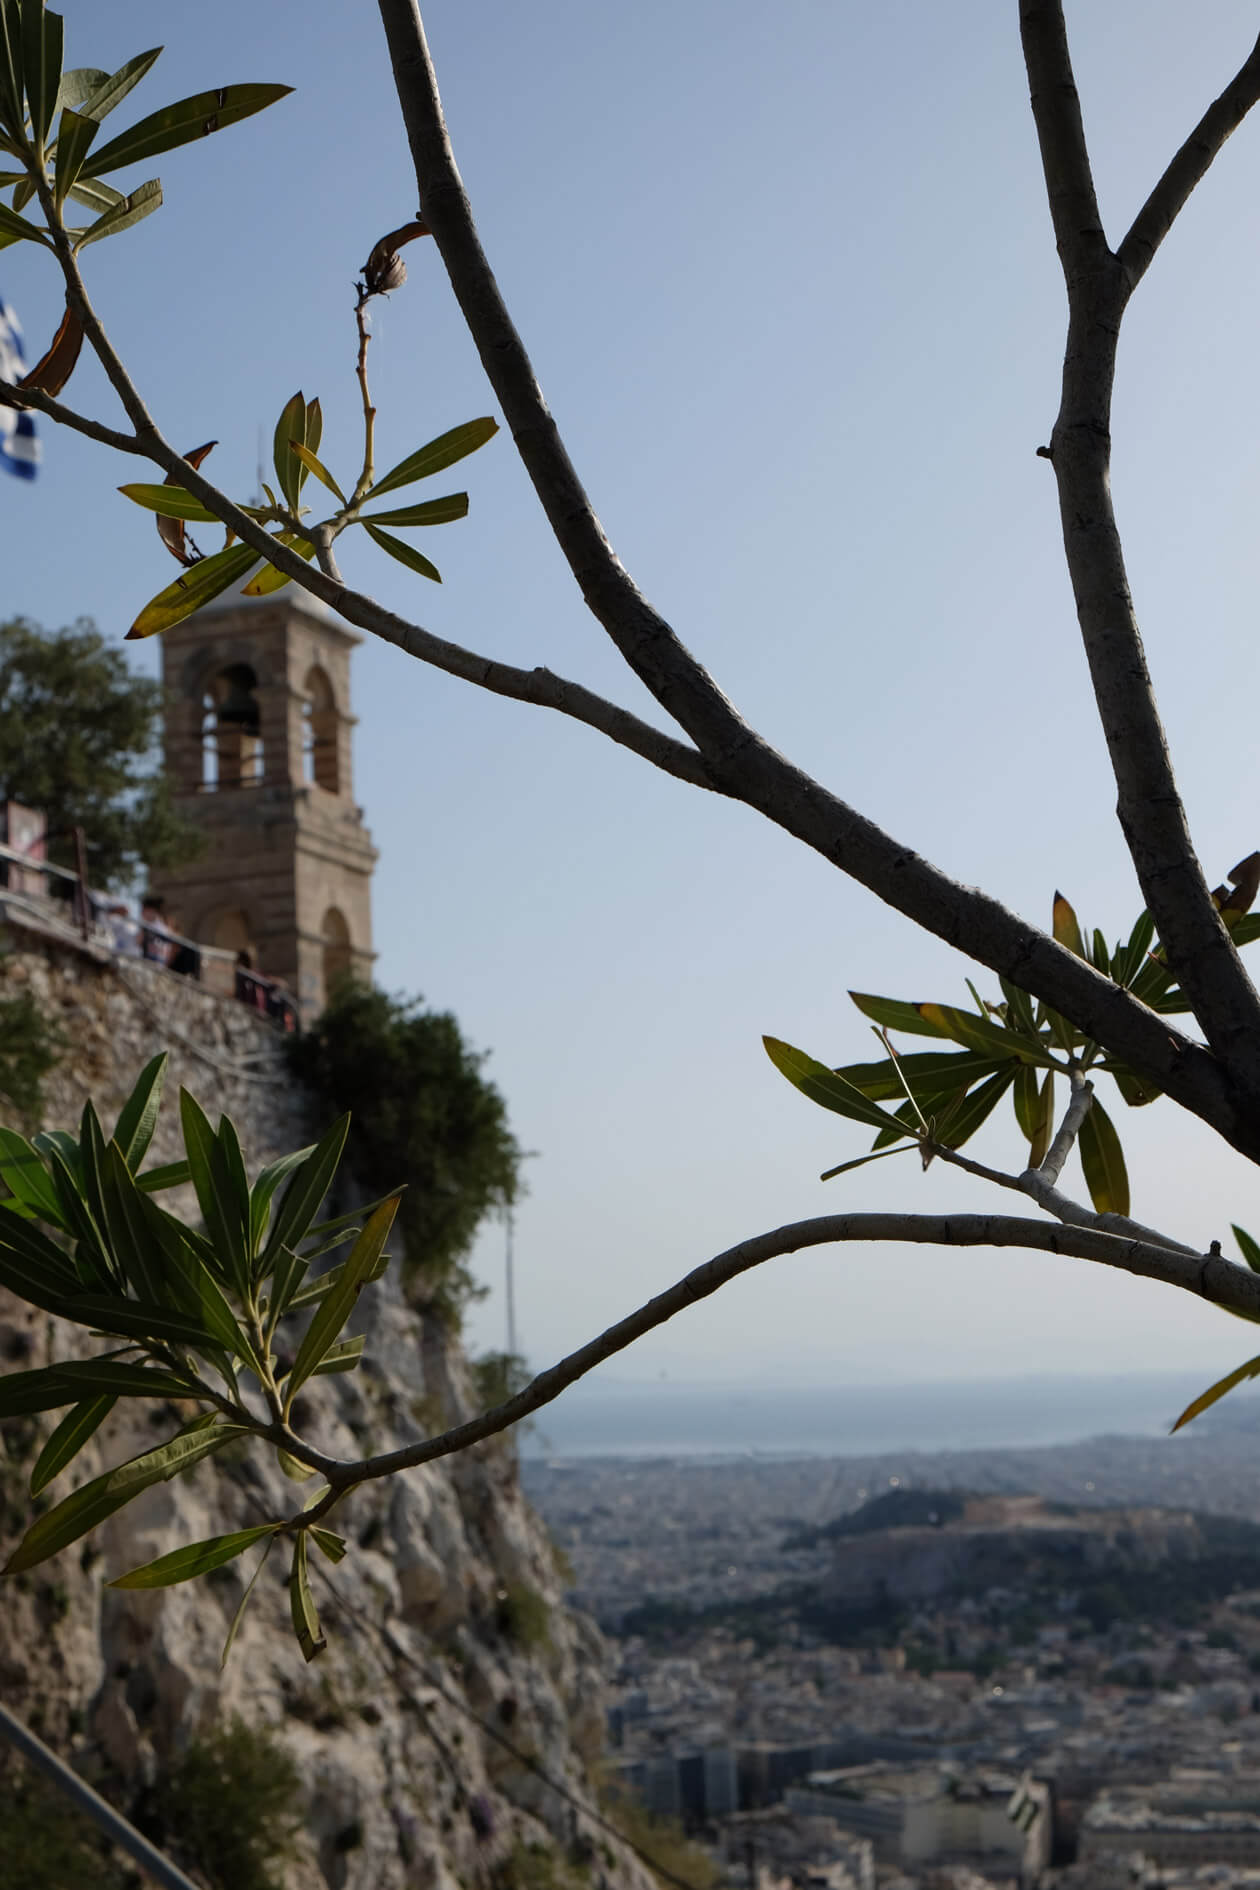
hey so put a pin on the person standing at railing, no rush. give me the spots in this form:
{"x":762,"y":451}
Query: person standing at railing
{"x":155,"y":941}
{"x":122,"y":931}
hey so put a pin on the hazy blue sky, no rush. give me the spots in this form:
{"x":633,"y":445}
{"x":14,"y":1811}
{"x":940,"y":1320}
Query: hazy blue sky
{"x":789,"y":282}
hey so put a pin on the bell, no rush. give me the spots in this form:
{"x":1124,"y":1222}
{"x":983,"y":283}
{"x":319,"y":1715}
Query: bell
{"x":239,"y":708}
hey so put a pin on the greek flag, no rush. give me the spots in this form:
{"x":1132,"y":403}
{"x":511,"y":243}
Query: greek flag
{"x":19,"y":449}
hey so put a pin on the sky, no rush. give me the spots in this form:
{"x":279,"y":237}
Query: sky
{"x":789,"y":284}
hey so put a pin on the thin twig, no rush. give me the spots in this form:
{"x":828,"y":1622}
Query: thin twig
{"x":362,"y":322}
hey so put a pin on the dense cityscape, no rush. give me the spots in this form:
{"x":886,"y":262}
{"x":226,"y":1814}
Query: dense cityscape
{"x":1012,"y":1666}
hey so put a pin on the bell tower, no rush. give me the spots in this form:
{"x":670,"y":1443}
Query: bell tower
{"x":258,"y":757}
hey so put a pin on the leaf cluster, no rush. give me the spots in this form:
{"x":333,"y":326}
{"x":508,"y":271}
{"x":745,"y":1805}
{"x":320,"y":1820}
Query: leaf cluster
{"x":30,"y":1047}
{"x":229,"y":1807}
{"x":193,"y":1314}
{"x":295,"y":442}
{"x":50,"y":121}
{"x":1017,"y":1046}
{"x":423,"y":1111}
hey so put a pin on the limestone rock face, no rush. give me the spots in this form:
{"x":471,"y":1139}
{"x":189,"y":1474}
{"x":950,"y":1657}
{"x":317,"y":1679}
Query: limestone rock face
{"x":457,"y":1692}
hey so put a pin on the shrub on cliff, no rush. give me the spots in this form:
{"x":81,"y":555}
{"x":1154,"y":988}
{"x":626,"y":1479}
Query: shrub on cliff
{"x":422,"y":1113}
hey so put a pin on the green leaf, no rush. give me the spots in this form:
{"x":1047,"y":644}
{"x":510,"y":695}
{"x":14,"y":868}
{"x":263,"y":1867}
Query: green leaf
{"x":138,"y":1117}
{"x":959,"y":1123}
{"x":27,"y":1254}
{"x":85,"y":1508}
{"x":333,"y":1546}
{"x":11,"y":68}
{"x":140,"y":203}
{"x":432,"y":512}
{"x":404,"y":553}
{"x":342,"y":1357}
{"x":437,"y":455}
{"x":1209,"y":1397}
{"x":1128,"y":961}
{"x":24,"y":1174}
{"x":113,"y":88}
{"x":170,"y":502}
{"x":1103,"y":1162}
{"x":94,"y":197}
{"x":295,"y":1471}
{"x":314,"y":425}
{"x":1065,"y":926}
{"x":1099,"y":954}
{"x":41,"y":61}
{"x":169,"y":1175}
{"x":1247,"y":1247}
{"x":243,"y":1603}
{"x":1039,"y":1143}
{"x":307,"y":456}
{"x":1020,"y":1016}
{"x":136,"y":1319}
{"x":23,"y":1394}
{"x":983,"y":1035}
{"x":336,"y":1306}
{"x":1026,"y":1099}
{"x":290,"y":426}
{"x":302,"y":1605}
{"x":271,"y":578}
{"x":263,"y":1191}
{"x":1135,"y":1089}
{"x":78,"y":83}
{"x":895,"y":1014}
{"x":195,"y":1558}
{"x":825,"y":1086}
{"x":73,"y":1432}
{"x":184,"y":122}
{"x":73,"y":142}
{"x":225,"y":1217}
{"x":307,"y":1187}
{"x":193,"y":589}
{"x":929,"y":1073}
{"x":880,"y":1155}
{"x":98,"y":1377}
{"x":18,"y":229}
{"x":1247,"y":929}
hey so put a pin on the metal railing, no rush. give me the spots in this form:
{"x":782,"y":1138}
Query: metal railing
{"x":95,"y":920}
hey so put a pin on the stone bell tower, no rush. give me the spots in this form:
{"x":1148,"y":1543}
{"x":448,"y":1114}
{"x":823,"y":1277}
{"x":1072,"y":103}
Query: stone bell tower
{"x":258,"y":756}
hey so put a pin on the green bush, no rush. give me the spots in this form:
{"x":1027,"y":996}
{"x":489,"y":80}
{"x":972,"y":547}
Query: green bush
{"x":422,"y":1113}
{"x":46,"y":1844}
{"x":229,"y":1808}
{"x":523,"y":1616}
{"x":30,"y":1046}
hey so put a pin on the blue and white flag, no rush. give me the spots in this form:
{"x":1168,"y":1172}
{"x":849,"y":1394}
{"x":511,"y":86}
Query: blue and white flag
{"x":19,"y":449}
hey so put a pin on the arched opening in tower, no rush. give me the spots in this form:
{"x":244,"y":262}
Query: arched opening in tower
{"x":337,"y":956}
{"x":320,"y":722}
{"x":231,"y":730}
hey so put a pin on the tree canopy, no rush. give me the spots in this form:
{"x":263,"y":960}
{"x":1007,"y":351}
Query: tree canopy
{"x":78,"y":738}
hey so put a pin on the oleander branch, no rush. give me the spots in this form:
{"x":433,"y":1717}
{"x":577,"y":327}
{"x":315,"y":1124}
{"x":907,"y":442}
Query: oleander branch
{"x":1099,"y":284}
{"x":1208,"y":1276}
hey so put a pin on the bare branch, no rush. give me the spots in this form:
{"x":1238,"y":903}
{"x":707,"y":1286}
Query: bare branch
{"x":1073,"y":1116}
{"x":1149,"y":806}
{"x":1209,"y":1276}
{"x":1157,"y":215}
{"x":1071,"y":1213}
{"x":30,"y":398}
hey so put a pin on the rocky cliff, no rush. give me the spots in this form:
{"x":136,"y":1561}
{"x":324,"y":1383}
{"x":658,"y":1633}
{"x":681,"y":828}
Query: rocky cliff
{"x":447,"y":1735}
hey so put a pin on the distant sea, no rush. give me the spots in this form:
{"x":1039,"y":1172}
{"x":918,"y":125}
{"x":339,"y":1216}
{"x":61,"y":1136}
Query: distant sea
{"x":667,"y":1418}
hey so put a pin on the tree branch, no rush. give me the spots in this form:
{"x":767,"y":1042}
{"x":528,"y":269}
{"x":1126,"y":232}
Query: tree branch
{"x":1072,"y":1213}
{"x":1078,"y":1108}
{"x":1158,"y":214}
{"x":1209,"y":1276}
{"x":734,"y":761}
{"x":1149,"y":806}
{"x":22,"y":398}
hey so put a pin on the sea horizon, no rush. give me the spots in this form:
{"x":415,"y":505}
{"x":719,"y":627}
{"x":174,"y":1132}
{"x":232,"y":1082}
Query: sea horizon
{"x":698,"y":1418}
